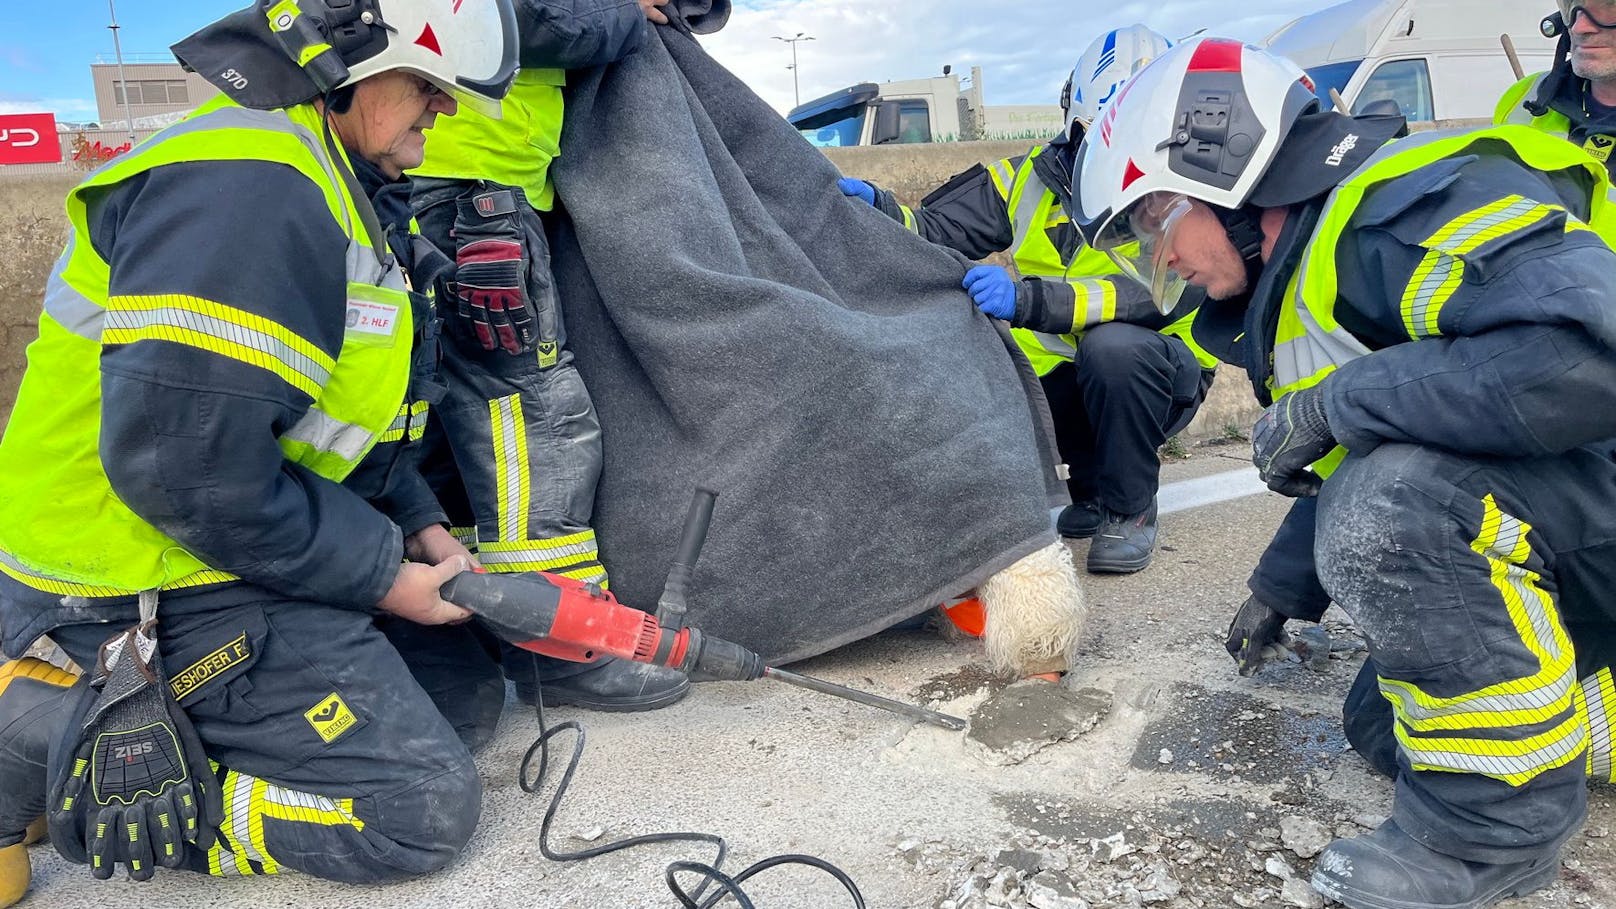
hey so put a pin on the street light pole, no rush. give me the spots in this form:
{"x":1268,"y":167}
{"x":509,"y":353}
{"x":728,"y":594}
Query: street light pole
{"x":796,"y":92}
{"x":117,"y":49}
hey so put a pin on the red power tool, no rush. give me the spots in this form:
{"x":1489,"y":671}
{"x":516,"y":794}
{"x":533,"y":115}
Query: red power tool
{"x":570,"y":620}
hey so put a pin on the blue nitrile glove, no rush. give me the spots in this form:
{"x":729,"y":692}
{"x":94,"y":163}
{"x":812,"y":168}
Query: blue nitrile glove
{"x":993,"y":290}
{"x":858,"y":189}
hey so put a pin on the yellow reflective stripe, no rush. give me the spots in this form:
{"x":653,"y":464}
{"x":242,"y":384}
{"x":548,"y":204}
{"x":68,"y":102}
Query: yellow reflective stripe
{"x":594,"y":574}
{"x":220,"y":329}
{"x":581,"y":543}
{"x":1599,"y":693}
{"x":305,"y":808}
{"x":909,"y":221}
{"x":466,"y":535}
{"x":1434,"y":281}
{"x":1543,"y":696}
{"x":255,"y":829}
{"x":509,"y":434}
{"x":228,"y":848}
{"x":411,"y":416}
{"x":1514,"y":762}
{"x":1004,"y":176}
{"x":20,"y":573}
{"x":511,"y":563}
{"x":1473,"y":229}
{"x":1095,"y":302}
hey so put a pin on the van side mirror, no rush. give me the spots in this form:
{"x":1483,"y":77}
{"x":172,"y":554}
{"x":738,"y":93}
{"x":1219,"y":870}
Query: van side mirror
{"x":886,"y":123}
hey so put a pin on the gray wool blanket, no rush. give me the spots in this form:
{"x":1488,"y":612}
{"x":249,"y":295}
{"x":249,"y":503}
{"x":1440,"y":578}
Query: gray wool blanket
{"x":742,"y":326}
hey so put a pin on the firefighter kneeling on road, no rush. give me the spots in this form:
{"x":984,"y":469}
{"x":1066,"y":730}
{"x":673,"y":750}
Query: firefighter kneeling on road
{"x":1120,"y":377}
{"x":211,"y":441}
{"x":1432,"y":320}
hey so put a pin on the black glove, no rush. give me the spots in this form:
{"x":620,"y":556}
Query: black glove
{"x":139,"y":778}
{"x":491,"y":271}
{"x":1290,"y":435}
{"x":1254,"y":627}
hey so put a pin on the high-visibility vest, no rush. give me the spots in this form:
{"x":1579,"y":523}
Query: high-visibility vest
{"x":515,"y":150}
{"x":1034,"y":211}
{"x":62,"y":527}
{"x":1310,"y":344}
{"x":1512,"y":109}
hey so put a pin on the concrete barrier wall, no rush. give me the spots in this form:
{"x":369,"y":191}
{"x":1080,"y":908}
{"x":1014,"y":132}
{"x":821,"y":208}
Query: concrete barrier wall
{"x":912,"y":171}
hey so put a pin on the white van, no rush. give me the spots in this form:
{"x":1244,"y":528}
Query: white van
{"x":1438,"y":59}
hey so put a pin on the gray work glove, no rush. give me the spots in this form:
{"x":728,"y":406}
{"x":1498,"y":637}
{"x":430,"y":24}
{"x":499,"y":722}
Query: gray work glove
{"x":1254,"y":627}
{"x":1290,"y":435}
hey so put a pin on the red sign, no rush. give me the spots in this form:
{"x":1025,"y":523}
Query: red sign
{"x":29,"y":139}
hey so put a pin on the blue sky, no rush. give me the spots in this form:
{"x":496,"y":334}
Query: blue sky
{"x":46,"y":48}
{"x":1025,"y":47}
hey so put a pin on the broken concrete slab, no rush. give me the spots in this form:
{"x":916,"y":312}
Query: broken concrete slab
{"x":1022,"y":719}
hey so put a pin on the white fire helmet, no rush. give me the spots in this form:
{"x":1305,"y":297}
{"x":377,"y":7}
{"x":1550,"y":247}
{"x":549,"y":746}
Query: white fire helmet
{"x":1202,"y":122}
{"x":467,"y":48}
{"x":1109,"y":61}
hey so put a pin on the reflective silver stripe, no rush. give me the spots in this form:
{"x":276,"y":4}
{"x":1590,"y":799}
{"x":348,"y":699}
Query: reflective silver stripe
{"x":1055,"y":344}
{"x":71,"y":309}
{"x":1317,"y":349}
{"x":169,"y":317}
{"x":1424,"y":299}
{"x":1094,"y":297}
{"x":537,"y":551}
{"x":508,"y":435}
{"x":1600,"y":695}
{"x":1026,"y":210}
{"x":323,"y":432}
{"x":1554,"y":750}
{"x":1545,"y":645}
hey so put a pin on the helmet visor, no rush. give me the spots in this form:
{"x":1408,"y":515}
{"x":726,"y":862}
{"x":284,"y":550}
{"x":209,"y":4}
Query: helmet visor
{"x":1139,"y":242}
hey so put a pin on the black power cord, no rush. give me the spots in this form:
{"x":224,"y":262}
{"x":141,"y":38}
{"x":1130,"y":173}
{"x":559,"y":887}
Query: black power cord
{"x":728,"y":886}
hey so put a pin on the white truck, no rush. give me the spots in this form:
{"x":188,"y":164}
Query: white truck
{"x":1438,"y":59}
{"x":938,"y":109}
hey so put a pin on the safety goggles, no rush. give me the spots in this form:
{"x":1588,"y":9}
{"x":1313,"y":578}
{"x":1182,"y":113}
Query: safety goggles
{"x":1569,"y":12}
{"x":1139,"y":242}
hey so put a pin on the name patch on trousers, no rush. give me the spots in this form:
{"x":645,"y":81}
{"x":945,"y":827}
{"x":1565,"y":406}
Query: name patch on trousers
{"x":331,"y":717}
{"x":191,"y":679}
{"x":371,"y":318}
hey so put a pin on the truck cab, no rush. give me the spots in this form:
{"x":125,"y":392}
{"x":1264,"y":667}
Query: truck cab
{"x":1437,"y":59}
{"x":937,"y":109}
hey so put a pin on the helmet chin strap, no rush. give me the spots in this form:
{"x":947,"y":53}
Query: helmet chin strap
{"x":1244,"y":228}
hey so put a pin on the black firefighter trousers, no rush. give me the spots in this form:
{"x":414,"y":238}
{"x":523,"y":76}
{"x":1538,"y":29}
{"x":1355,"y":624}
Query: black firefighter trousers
{"x":1129,"y":390}
{"x":1483,"y":589}
{"x":334,"y":759}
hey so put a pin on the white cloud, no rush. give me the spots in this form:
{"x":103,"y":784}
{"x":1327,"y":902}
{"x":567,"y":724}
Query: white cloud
{"x":75,"y":109}
{"x":1025,"y":49}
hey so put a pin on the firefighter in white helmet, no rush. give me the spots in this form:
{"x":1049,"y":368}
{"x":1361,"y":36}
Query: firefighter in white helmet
{"x":1120,"y":377}
{"x":208,"y":496}
{"x":1428,"y":320}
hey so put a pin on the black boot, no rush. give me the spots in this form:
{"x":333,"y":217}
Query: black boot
{"x":31,"y":712}
{"x":1124,"y":543}
{"x":1388,"y":869}
{"x":610,"y":685}
{"x":1079,"y":520}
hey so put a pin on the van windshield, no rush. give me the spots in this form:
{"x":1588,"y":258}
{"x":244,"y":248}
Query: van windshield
{"x":1332,"y":75}
{"x":844,"y":130}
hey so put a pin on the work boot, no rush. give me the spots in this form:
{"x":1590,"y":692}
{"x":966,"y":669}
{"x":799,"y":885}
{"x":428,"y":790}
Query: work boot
{"x":1079,"y":520}
{"x":31,"y":710}
{"x":1124,"y":543}
{"x":610,"y":685}
{"x":1388,"y":869}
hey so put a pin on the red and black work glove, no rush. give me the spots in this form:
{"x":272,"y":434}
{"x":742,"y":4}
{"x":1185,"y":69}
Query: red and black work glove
{"x":491,"y":265}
